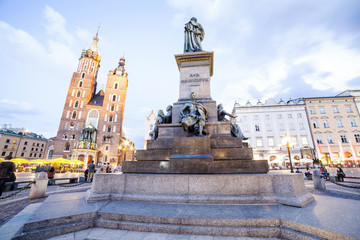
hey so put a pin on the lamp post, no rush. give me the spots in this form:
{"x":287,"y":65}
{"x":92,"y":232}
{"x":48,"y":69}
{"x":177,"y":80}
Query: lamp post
{"x":288,"y":148}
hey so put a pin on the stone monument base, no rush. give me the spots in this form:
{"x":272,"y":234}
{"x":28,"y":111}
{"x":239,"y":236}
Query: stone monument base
{"x":271,"y":188}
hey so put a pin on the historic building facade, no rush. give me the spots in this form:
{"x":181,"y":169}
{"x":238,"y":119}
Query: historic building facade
{"x":22,"y":144}
{"x":90,"y":128}
{"x":270,"y":125}
{"x":335,"y":128}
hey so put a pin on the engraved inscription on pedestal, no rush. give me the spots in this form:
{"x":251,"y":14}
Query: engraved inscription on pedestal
{"x":195,"y":74}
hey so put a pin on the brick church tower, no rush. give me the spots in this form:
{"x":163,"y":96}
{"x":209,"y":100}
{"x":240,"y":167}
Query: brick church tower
{"x":91,"y":123}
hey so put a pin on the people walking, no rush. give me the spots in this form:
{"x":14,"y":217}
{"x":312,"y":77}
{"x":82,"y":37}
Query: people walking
{"x":340,"y":174}
{"x":91,"y":169}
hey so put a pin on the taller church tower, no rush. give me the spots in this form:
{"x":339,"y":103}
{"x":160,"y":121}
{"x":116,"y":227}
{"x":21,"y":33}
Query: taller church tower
{"x":91,"y":123}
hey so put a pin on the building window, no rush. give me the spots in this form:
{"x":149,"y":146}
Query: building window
{"x":71,"y":127}
{"x":7,"y":140}
{"x":76,"y":105}
{"x":349,"y":109}
{"x":30,"y":155}
{"x":271,"y":141}
{"x":73,"y":137}
{"x":339,"y":123}
{"x":86,"y":63}
{"x":24,"y":148}
{"x":22,"y":154}
{"x":353,"y":123}
{"x":259,"y":142}
{"x":304,"y":140}
{"x":268,"y":126}
{"x":73,"y":115}
{"x":82,"y":75}
{"x":3,"y":153}
{"x":65,"y":136}
{"x":116,"y":86}
{"x":267,"y":117}
{"x":112,"y":108}
{"x":292,"y":126}
{"x":92,"y":67}
{"x":34,"y":154}
{"x":67,"y":146}
{"x":151,"y":127}
{"x":319,"y":139}
{"x":25,"y":143}
{"x":36,"y":149}
{"x":279,"y":116}
{"x":357,"y":138}
{"x":322,"y":111}
{"x":114,"y":98}
{"x":107,"y":148}
{"x":315,"y":124}
{"x":335,"y":110}
{"x":41,"y":150}
{"x":326,"y":123}
{"x":32,"y":149}
{"x":294,"y":140}
{"x":257,"y":128}
{"x":343,"y":138}
{"x":245,"y":118}
{"x":256,"y":117}
{"x":78,"y":94}
{"x":289,"y":115}
{"x":109,"y":129}
{"x":40,"y":155}
{"x":329,"y":139}
{"x":281,"y":126}
{"x":301,"y":126}
{"x":299,"y":115}
{"x":6,"y":146}
{"x":110,"y":118}
{"x":42,"y":145}
{"x":312,"y":111}
{"x":80,"y":83}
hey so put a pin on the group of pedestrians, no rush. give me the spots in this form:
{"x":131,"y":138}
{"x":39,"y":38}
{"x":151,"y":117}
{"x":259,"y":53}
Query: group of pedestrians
{"x":91,"y":170}
{"x":324,"y":173}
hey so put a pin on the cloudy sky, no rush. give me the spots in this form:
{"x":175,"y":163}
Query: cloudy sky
{"x":263,"y":49}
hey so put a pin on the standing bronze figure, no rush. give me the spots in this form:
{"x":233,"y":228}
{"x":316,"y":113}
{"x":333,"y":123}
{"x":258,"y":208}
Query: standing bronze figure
{"x":194,"y":34}
{"x":193,"y":117}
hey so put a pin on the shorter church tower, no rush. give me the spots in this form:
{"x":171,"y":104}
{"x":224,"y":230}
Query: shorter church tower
{"x":91,"y":124}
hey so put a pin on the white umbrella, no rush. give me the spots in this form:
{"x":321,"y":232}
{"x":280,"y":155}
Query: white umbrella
{"x":306,"y":160}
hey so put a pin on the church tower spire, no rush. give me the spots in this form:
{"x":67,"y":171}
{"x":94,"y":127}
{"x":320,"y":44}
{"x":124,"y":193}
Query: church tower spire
{"x":94,"y":46}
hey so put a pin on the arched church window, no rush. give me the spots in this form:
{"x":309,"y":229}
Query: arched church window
{"x":92,"y":67}
{"x":110,"y":118}
{"x":114,"y":98}
{"x":71,"y":126}
{"x":78,"y":94}
{"x":67,"y":146}
{"x":104,"y":138}
{"x":112,"y":108}
{"x":73,"y":115}
{"x":65,"y":137}
{"x":83,"y":75}
{"x":76,"y":105}
{"x":86,"y":64}
{"x":116,"y":86}
{"x":109,"y":129}
{"x":93,"y":118}
{"x":80,"y":83}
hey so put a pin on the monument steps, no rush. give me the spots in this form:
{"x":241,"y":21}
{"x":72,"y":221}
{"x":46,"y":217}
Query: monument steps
{"x":260,"y":228}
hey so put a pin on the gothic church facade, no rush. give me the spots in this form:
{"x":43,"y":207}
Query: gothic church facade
{"x":91,"y":123}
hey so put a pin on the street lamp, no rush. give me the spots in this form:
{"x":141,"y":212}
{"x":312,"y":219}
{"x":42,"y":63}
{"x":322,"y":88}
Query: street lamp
{"x":288,"y":146}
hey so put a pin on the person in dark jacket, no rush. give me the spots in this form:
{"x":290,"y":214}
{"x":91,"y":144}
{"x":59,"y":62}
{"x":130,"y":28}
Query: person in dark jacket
{"x":340,"y":174}
{"x":7,"y":174}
